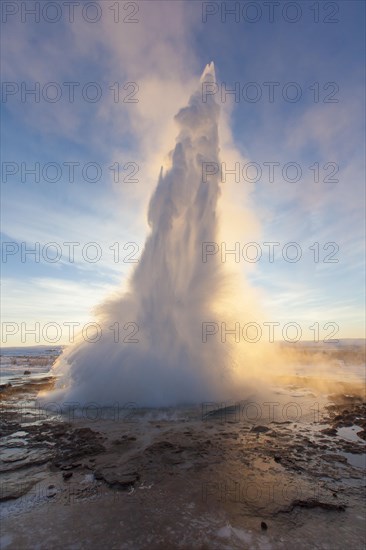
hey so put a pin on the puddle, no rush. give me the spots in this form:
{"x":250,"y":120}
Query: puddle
{"x":356,"y":460}
{"x":350,"y":433}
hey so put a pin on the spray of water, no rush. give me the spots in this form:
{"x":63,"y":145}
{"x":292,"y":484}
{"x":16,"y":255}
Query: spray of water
{"x":171,"y":293}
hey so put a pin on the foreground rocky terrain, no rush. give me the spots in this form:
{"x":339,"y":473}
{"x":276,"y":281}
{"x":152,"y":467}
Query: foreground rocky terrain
{"x":204,"y":477}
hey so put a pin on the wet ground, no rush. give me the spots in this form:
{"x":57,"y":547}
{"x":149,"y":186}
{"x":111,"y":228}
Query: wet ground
{"x":283,"y":473}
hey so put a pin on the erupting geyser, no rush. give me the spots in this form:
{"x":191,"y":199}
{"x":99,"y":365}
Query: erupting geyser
{"x":171,"y":292}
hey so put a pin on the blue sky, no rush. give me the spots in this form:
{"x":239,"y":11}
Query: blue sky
{"x":162,"y":54}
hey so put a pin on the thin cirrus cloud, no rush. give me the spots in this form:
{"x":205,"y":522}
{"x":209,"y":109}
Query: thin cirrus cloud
{"x":165,"y":71}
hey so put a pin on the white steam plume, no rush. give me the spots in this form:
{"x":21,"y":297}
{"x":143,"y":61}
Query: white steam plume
{"x":171,"y":293}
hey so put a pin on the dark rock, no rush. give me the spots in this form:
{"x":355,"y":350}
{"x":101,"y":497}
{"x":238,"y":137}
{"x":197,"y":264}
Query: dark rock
{"x":59,"y":433}
{"x":78,"y":443}
{"x":117,"y":478}
{"x":284,"y":422}
{"x":260,"y":429}
{"x":314,"y":503}
{"x":27,"y":372}
{"x":329,"y":431}
{"x":66,"y":475}
{"x":332,"y":457}
{"x":264,"y":526}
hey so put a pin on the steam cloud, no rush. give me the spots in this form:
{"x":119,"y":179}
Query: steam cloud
{"x":170,"y":294}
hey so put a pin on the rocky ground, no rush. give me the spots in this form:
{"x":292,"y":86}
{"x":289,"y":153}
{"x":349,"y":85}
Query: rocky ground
{"x":181,"y":479}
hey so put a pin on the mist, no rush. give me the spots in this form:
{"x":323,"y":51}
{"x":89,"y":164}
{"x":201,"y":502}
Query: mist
{"x":151,"y":348}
